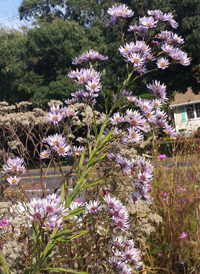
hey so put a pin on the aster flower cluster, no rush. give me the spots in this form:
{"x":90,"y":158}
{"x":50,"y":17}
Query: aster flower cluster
{"x":89,"y":56}
{"x":140,"y":172}
{"x":91,"y":80}
{"x":57,"y":113}
{"x":120,"y":11}
{"x":14,"y":167}
{"x":139,"y":53}
{"x":167,"y":17}
{"x":118,"y":212}
{"x":124,"y":252}
{"x":59,"y":145}
{"x":151,"y":113}
{"x":48,"y":211}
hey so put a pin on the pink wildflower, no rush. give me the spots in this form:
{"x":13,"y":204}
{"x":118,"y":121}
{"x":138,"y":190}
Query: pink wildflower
{"x":184,"y":235}
{"x":4,"y":222}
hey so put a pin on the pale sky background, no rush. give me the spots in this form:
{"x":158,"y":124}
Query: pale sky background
{"x":9,"y":15}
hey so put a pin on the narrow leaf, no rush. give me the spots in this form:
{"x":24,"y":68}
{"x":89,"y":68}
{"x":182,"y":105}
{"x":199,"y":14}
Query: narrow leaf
{"x":94,"y":183}
{"x":58,"y":269}
{"x":35,"y":232}
{"x":4,"y":263}
{"x":80,"y":164}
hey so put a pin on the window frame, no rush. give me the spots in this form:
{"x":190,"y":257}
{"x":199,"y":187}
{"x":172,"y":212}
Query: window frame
{"x":195,"y":112}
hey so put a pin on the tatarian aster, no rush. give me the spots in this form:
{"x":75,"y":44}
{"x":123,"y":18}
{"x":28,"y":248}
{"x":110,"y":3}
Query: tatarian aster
{"x":93,"y":207}
{"x":120,"y":11}
{"x":13,"y":180}
{"x":89,"y":56}
{"x":162,"y":63}
{"x":148,"y":22}
{"x":134,"y":134}
{"x":111,"y":22}
{"x":45,"y":154}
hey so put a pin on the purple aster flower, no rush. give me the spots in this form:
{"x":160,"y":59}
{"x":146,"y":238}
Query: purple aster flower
{"x":63,"y":149}
{"x":132,"y":99}
{"x":110,"y":22}
{"x":125,"y":270}
{"x":36,"y":214}
{"x":160,"y":114}
{"x":93,"y":207}
{"x":134,"y":134}
{"x":165,"y":36}
{"x":120,"y":11}
{"x":118,"y":241}
{"x":13,"y":180}
{"x":71,"y":101}
{"x":185,"y":61}
{"x":177,"y":39}
{"x":137,"y":59}
{"x":111,"y":202}
{"x":145,"y":177}
{"x":115,"y":262}
{"x":126,"y":49}
{"x":117,"y":118}
{"x":69,"y":111}
{"x":158,"y":14}
{"x":53,"y":198}
{"x":93,"y":86}
{"x":132,"y":254}
{"x":169,"y":18}
{"x":15,"y":164}
{"x":52,"y":223}
{"x":142,"y":70}
{"x":142,"y":30}
{"x":134,"y":118}
{"x":121,"y":224}
{"x":169,"y":130}
{"x":135,"y":197}
{"x":162,"y":63}
{"x":133,"y":28}
{"x":148,"y":22}
{"x":145,"y":105}
{"x":54,"y":117}
{"x":160,"y":254}
{"x":89,"y":56}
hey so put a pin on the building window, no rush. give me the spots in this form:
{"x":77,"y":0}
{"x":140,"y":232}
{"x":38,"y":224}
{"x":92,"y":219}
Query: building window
{"x":193,"y":111}
{"x":190,"y":111}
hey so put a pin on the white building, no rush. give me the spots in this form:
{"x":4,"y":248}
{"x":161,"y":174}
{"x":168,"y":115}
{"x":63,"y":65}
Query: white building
{"x":186,"y":111}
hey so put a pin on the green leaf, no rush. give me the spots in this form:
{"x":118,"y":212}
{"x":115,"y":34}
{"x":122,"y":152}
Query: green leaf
{"x":27,"y":270}
{"x":96,"y":160}
{"x":35,"y":232}
{"x":107,"y":137}
{"x":121,"y":100}
{"x":95,"y":183}
{"x":4,"y":264}
{"x":66,"y":232}
{"x":74,"y":192}
{"x":90,"y":161}
{"x":80,"y":163}
{"x":64,"y":240}
{"x":94,"y":129}
{"x":89,"y":144}
{"x":64,"y":270}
